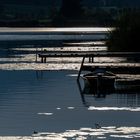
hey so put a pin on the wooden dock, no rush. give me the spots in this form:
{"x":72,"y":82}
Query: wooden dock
{"x":85,"y":54}
{"x":130,"y":68}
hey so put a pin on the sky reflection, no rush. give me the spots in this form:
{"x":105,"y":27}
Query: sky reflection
{"x":109,"y":132}
{"x":70,"y":29}
{"x":44,"y":105}
{"x":135,"y":109}
{"x":91,"y":133}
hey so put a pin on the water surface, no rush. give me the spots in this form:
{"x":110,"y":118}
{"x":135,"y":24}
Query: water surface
{"x":45,"y":98}
{"x":50,"y":101}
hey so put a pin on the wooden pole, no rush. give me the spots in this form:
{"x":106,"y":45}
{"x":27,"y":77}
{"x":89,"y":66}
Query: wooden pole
{"x":81,"y":68}
{"x":36,"y":55}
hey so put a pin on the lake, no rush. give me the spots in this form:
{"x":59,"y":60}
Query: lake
{"x":43,"y":101}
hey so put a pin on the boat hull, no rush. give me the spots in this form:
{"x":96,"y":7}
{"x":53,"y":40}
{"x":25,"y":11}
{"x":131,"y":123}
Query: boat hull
{"x":99,"y":84}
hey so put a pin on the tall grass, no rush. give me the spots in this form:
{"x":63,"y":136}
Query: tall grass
{"x":126,"y":36}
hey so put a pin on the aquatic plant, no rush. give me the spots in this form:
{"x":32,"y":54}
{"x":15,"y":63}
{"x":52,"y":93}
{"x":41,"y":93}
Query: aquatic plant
{"x":125,"y":36}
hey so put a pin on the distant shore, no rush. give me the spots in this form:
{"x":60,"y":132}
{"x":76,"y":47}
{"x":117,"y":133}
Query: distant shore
{"x":51,"y":23}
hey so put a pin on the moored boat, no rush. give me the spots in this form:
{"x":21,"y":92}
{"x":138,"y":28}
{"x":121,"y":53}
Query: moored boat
{"x":99,"y":82}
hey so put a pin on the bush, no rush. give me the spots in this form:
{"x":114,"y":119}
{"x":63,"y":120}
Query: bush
{"x":125,"y":36}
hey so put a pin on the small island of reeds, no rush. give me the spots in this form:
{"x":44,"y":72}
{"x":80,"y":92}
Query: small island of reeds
{"x":125,"y":36}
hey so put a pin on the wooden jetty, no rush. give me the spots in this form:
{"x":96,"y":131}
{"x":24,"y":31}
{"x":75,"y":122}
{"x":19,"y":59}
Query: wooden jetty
{"x":85,"y":54}
{"x":113,"y":67}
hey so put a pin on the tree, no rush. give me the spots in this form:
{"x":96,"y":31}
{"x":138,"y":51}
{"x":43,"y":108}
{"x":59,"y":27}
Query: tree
{"x":1,"y":10}
{"x":71,"y":8}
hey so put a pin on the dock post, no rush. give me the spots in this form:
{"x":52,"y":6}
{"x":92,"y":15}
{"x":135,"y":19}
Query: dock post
{"x":41,"y":59}
{"x":44,"y":59}
{"x":36,"y":55}
{"x":99,"y":78}
{"x":89,"y":59}
{"x":92,"y":59}
{"x":81,"y":68}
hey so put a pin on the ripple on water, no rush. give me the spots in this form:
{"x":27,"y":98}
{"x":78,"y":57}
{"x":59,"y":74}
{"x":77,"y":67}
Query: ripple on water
{"x":85,"y":133}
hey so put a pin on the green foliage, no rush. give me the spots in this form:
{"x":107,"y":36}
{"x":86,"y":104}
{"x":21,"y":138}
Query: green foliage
{"x":126,"y":36}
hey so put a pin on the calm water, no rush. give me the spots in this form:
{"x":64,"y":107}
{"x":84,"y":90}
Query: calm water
{"x":43,"y":34}
{"x":34,"y":98}
{"x":27,"y":95}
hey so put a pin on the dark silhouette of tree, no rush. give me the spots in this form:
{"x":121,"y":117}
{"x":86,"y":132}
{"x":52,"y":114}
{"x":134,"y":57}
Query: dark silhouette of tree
{"x":71,"y":8}
{"x":1,"y":10}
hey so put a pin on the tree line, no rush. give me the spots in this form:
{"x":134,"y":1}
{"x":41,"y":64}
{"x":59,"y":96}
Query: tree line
{"x":68,"y":13}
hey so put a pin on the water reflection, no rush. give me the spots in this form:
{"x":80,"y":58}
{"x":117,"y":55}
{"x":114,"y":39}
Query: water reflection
{"x":55,"y":30}
{"x":106,"y":132}
{"x":39,"y":74}
{"x":112,"y":132}
{"x":50,"y":104}
{"x":25,"y":57}
{"x":125,"y":97}
{"x":39,"y":101}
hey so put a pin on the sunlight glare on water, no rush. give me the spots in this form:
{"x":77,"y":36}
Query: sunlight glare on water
{"x":85,"y":134}
{"x":70,"y":29}
{"x":40,"y":102}
{"x":135,"y":109}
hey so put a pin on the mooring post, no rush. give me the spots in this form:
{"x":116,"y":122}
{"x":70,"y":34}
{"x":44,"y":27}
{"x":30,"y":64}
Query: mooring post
{"x":41,"y":59}
{"x":89,"y":60}
{"x":99,"y":78}
{"x":92,"y":59}
{"x":36,"y":55}
{"x":81,"y":68}
{"x":44,"y":59}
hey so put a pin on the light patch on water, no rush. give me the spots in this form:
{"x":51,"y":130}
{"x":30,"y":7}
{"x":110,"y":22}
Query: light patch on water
{"x":108,"y":132}
{"x":123,"y":136}
{"x":28,"y":61}
{"x":21,"y":37}
{"x":125,"y":130}
{"x":47,"y":114}
{"x":86,"y":43}
{"x":39,"y":66}
{"x":71,"y":107}
{"x":72,"y":75}
{"x":133,"y":109}
{"x":58,"y":108}
{"x":75,"y":48}
{"x":109,"y":127}
{"x":101,"y":137}
{"x":112,"y":131}
{"x":82,"y":29}
{"x":53,"y":30}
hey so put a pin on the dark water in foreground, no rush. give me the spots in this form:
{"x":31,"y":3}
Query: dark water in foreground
{"x":51,"y":102}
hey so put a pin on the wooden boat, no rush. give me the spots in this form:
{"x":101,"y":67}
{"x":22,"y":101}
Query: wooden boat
{"x":99,"y":82}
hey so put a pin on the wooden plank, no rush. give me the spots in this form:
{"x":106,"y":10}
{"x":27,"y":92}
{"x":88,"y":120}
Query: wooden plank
{"x":79,"y":73}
